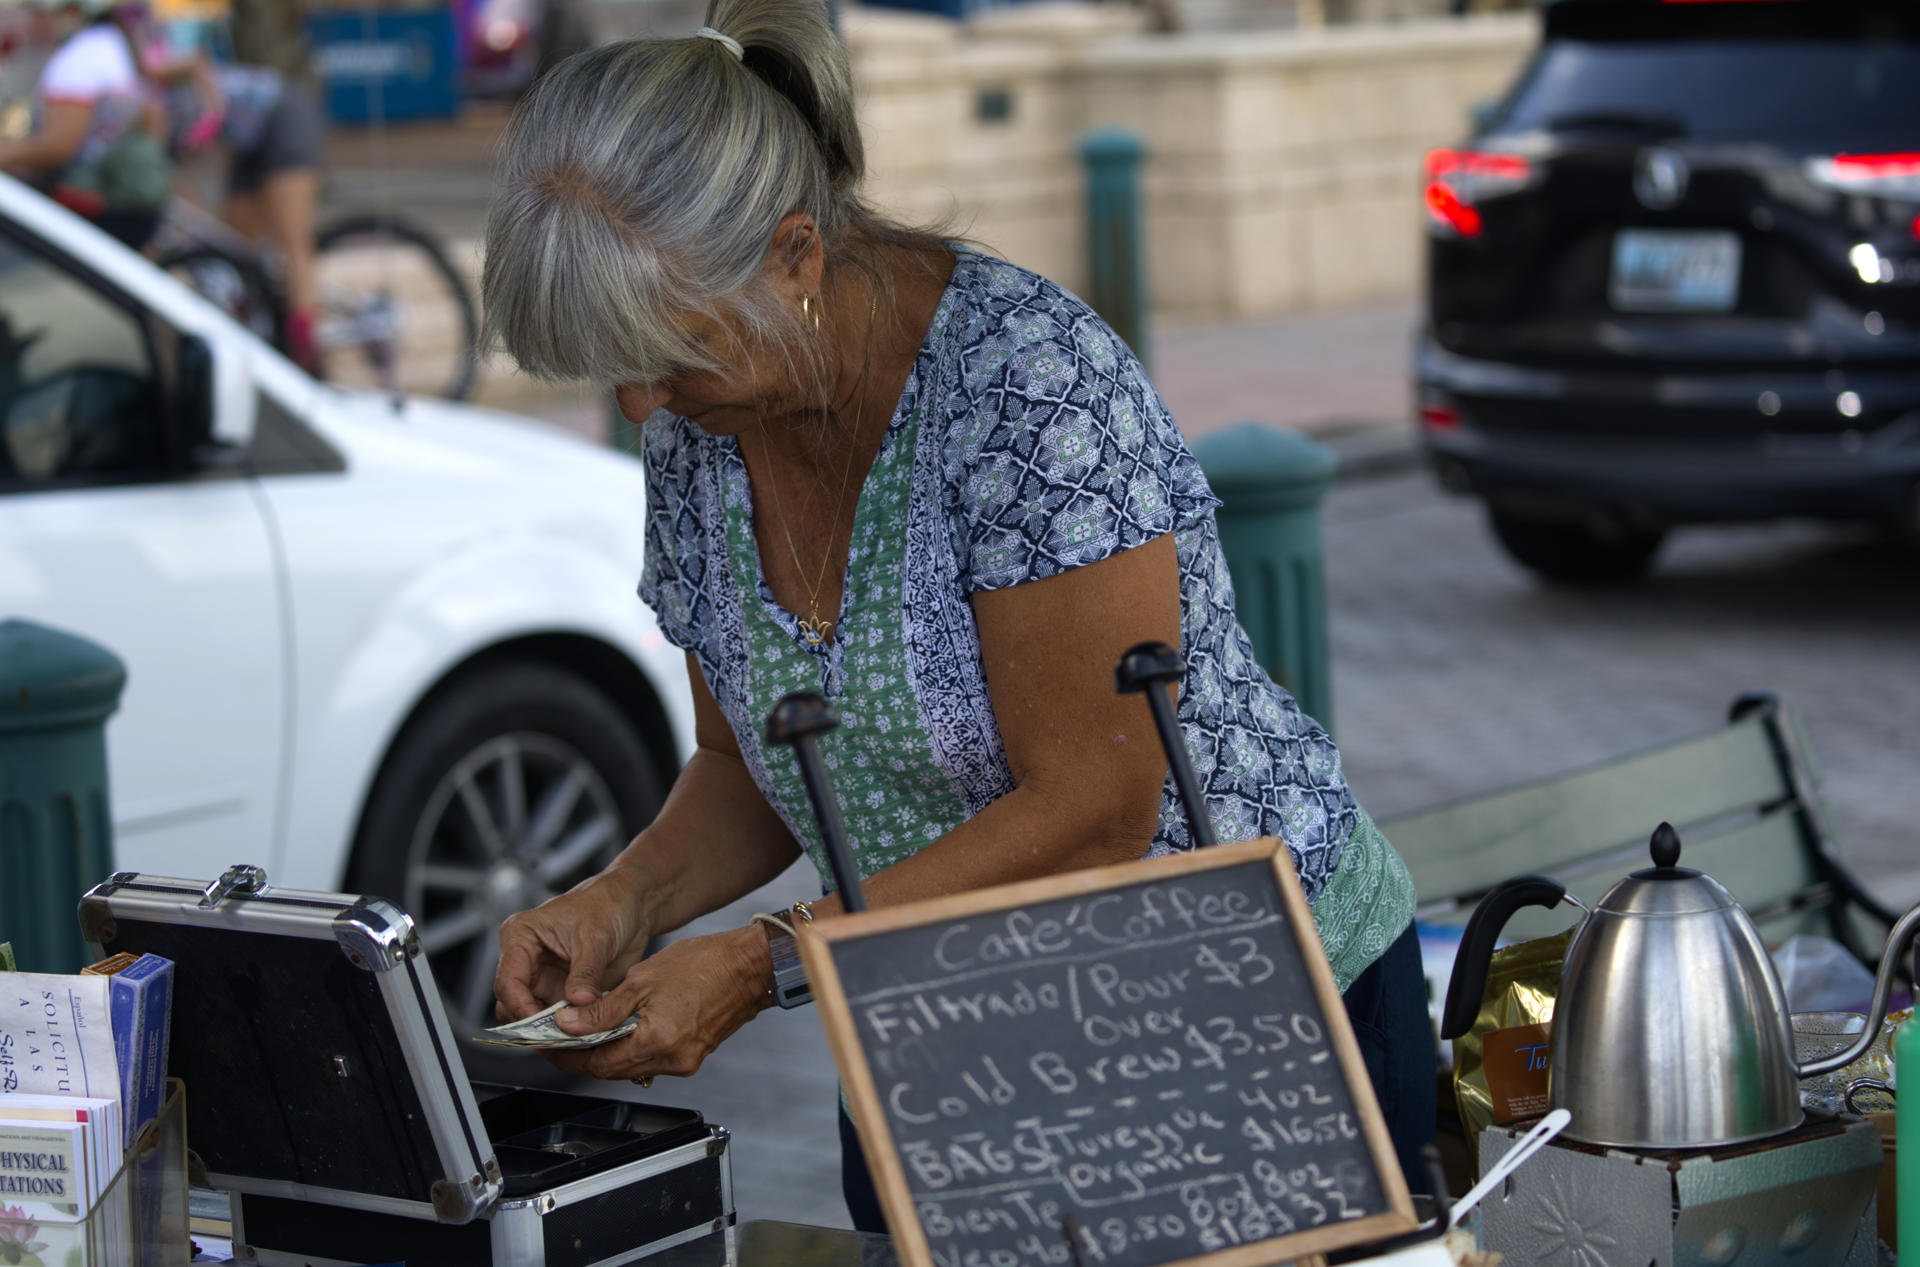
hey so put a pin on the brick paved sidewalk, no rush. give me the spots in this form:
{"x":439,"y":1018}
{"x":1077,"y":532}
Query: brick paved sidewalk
{"x":1332,"y":371}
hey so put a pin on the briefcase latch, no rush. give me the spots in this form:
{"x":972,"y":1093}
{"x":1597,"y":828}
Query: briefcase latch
{"x":245,"y":878}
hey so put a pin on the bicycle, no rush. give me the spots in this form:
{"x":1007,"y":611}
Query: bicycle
{"x":395,"y":315}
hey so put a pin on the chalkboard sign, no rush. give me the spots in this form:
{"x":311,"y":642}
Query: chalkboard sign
{"x":1132,"y":1065}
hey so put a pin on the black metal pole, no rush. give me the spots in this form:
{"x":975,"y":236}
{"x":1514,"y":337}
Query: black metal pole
{"x":1437,"y":1176}
{"x":1142,"y":669}
{"x":1070,"y":1228}
{"x":795,"y":722}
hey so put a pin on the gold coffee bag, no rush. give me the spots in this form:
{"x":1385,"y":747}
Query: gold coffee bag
{"x":1500,"y":1065}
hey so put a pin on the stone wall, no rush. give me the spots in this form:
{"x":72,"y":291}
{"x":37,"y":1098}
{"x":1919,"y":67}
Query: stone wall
{"x":1283,"y":169}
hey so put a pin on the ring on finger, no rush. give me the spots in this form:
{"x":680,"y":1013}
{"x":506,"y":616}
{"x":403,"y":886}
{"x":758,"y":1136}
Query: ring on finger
{"x":643,"y":1082}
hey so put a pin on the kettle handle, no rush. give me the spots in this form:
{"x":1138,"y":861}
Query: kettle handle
{"x":1469,"y":981}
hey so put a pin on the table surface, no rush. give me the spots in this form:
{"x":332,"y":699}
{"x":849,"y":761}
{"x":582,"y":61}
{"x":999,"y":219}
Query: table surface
{"x":760,"y":1243}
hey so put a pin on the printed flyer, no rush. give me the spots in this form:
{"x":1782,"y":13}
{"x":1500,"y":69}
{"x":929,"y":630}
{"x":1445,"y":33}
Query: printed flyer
{"x":56,"y":1037}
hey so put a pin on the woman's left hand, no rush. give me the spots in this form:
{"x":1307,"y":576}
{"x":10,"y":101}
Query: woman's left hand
{"x":689,"y":997}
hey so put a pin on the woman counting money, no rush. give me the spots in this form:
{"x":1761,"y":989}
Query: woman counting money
{"x":929,"y":485}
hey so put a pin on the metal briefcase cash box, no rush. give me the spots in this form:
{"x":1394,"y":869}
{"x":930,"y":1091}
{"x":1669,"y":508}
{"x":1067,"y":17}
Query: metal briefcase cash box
{"x":325,"y":1093}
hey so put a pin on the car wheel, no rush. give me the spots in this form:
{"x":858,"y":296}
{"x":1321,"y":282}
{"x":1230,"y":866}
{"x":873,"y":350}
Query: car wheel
{"x":512,"y":783}
{"x":1577,"y":551}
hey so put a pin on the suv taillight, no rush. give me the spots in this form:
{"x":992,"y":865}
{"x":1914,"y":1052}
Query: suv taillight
{"x":1894,"y":176}
{"x":1457,"y":180}
{"x":1888,"y":175}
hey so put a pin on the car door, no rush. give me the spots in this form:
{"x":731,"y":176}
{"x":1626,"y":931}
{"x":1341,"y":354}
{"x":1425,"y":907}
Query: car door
{"x":109,"y":531}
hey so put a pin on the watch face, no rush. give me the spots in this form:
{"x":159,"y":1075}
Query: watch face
{"x":790,"y":988}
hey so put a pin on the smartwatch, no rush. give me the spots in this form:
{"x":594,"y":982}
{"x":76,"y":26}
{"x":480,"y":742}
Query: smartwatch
{"x":790,"y":987}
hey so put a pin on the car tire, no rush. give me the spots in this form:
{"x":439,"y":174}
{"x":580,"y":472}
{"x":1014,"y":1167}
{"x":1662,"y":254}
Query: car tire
{"x":1577,"y":551}
{"x":512,"y":782}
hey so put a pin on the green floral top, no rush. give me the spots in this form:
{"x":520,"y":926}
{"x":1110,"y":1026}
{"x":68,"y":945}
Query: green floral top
{"x":1027,"y":442}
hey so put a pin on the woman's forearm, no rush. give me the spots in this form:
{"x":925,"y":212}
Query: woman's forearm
{"x":1029,"y":833}
{"x":715,"y":840}
{"x":62,"y":129}
{"x":29,"y":156}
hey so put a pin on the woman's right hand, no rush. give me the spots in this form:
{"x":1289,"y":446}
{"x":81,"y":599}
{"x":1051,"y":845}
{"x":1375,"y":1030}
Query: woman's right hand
{"x":572,"y":946}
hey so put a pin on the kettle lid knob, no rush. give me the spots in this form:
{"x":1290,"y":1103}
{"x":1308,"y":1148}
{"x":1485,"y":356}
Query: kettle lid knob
{"x":1665,"y":846}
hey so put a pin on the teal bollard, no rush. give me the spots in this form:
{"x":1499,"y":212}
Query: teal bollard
{"x":1116,"y":235}
{"x":1270,"y":483}
{"x":56,"y":832}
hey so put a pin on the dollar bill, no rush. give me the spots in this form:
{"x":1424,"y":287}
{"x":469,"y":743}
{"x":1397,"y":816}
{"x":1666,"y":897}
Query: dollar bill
{"x":6,"y":957}
{"x":541,"y":1031}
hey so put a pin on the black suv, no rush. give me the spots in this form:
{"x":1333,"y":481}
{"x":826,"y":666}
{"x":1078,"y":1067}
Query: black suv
{"x":1675,"y":278}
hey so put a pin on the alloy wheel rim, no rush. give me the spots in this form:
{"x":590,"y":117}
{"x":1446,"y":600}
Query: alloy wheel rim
{"x":517,"y":820}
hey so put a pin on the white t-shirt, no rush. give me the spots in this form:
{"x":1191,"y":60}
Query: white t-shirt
{"x":93,"y":64}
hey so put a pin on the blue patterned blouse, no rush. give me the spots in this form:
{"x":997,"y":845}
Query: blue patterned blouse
{"x":1028,"y":441}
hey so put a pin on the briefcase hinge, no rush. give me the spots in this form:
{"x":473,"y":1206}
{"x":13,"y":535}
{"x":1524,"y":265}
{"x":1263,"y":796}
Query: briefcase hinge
{"x":453,"y":1203}
{"x":717,"y":1146}
{"x":244,"y":879}
{"x":376,"y":935}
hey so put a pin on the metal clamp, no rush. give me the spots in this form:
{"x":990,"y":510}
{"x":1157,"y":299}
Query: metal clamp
{"x":1866,"y":1084}
{"x":245,"y":879}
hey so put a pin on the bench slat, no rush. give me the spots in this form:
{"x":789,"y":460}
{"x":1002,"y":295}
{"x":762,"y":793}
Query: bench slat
{"x":1761,"y":863}
{"x":1464,"y":848}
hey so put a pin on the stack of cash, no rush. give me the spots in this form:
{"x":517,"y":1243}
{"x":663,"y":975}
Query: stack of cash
{"x":540,"y":1030}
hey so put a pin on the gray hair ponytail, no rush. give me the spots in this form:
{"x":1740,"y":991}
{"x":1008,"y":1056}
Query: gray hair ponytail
{"x":641,"y":182}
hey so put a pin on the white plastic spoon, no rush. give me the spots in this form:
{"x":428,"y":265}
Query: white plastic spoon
{"x":1530,"y":1143}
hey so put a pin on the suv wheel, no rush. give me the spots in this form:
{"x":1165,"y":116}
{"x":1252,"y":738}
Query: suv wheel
{"x":511,"y":784}
{"x":1577,"y":551}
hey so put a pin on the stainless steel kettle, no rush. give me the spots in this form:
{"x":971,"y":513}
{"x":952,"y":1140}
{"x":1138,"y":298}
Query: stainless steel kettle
{"x":1670,"y":1029}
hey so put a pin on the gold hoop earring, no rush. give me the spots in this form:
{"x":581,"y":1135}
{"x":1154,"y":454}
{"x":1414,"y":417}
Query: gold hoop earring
{"x":807,"y":310}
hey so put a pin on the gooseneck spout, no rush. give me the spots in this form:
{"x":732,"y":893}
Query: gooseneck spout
{"x":1897,"y":943}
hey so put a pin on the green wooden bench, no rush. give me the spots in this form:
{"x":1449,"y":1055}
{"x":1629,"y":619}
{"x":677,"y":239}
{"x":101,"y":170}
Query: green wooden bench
{"x":1744,"y":798}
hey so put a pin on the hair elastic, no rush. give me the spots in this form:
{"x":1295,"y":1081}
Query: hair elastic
{"x":724,"y":40}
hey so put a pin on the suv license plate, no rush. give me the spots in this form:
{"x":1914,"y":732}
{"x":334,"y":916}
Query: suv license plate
{"x":1675,"y":270}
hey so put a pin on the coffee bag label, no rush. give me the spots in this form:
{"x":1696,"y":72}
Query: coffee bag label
{"x":1516,"y":1067}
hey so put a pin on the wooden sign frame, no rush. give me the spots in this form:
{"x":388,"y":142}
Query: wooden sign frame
{"x":817,"y":942}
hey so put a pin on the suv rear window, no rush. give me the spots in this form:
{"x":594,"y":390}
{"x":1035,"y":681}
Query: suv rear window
{"x":1811,"y":76}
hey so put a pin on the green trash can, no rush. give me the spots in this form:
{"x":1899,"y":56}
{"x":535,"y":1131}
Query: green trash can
{"x":56,"y":832}
{"x":1270,"y":482}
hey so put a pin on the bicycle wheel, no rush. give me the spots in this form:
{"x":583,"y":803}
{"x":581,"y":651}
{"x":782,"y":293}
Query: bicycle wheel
{"x":234,"y":284}
{"x":394,"y":312}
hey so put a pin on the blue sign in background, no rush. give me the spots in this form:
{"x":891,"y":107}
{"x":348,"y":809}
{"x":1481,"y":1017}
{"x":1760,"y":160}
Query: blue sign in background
{"x":407,"y":55}
{"x":958,"y":9}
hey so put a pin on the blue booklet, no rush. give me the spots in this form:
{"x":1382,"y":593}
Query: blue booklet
{"x":140,"y":1003}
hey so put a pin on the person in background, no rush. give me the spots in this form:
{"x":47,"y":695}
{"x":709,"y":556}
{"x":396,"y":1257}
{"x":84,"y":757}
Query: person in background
{"x":272,"y":133}
{"x":926,"y":483}
{"x":96,"y":144}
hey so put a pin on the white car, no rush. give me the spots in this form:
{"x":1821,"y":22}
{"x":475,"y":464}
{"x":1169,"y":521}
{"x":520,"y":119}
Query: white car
{"x":371,"y":645}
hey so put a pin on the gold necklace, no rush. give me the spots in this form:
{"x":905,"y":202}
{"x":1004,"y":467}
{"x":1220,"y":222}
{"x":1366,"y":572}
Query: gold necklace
{"x":814,"y":629}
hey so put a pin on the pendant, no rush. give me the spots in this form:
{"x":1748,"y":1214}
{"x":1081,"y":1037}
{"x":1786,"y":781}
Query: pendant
{"x":816,"y":631}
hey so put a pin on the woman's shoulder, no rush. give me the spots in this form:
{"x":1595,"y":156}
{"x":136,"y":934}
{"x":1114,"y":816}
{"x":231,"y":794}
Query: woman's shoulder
{"x":1057,"y":451}
{"x":1000,"y":311}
